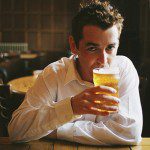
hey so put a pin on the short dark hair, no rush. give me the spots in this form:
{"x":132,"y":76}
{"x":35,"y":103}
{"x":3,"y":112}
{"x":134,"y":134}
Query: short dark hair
{"x":101,"y":14}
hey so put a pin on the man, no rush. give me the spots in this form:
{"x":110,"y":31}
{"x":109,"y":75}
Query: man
{"x":62,"y":102}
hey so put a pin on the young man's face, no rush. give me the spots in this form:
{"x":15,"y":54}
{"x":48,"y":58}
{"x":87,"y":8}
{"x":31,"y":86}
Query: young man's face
{"x":97,"y":48}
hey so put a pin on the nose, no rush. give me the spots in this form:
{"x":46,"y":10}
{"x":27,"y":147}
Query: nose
{"x":103,"y":59}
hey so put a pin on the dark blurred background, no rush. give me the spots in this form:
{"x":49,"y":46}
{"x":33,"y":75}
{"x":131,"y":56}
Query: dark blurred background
{"x":45,"y":25}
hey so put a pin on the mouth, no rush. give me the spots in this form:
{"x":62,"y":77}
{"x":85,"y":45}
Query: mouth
{"x":98,"y":65}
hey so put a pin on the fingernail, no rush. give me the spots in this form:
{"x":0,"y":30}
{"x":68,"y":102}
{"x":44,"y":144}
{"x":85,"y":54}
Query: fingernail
{"x":118,"y":100}
{"x":113,"y":90}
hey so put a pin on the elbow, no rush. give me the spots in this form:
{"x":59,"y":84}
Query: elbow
{"x":127,"y":133}
{"x":134,"y":141}
{"x":134,"y":131}
{"x":137,"y":141}
{"x":134,"y":135}
{"x":15,"y":135}
{"x":137,"y":132}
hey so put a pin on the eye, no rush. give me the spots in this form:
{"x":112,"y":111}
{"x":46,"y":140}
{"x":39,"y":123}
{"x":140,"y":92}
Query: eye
{"x":92,"y":49}
{"x":110,"y":48}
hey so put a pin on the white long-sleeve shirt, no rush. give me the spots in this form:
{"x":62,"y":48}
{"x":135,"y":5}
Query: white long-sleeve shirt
{"x":47,"y":107}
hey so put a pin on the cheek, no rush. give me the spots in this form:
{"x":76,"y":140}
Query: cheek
{"x":92,"y":62}
{"x":90,"y":59}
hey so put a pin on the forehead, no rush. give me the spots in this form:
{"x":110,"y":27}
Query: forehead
{"x":96,"y":34}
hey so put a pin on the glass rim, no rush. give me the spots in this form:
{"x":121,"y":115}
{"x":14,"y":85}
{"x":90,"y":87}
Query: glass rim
{"x":106,"y":70}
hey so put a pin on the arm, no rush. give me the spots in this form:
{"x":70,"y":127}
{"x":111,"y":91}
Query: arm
{"x":39,"y":115}
{"x":122,"y":128}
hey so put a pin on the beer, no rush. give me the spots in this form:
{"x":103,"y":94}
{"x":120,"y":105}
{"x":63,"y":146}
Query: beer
{"x":108,"y":77}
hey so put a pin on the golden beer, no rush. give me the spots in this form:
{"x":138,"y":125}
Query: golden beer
{"x":108,"y":77}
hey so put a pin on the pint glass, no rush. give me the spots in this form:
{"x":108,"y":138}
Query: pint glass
{"x":108,"y":77}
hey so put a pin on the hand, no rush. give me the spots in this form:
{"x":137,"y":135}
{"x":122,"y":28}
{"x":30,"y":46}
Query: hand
{"x":90,"y":101}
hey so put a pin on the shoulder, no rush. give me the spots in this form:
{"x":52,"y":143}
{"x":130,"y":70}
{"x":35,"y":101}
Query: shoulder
{"x":126,"y":67}
{"x":124,"y":63}
{"x":56,"y":68}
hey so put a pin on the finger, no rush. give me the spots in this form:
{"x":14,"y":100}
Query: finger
{"x":111,"y":98}
{"x":108,"y":103}
{"x":86,"y":109}
{"x":101,"y":88}
{"x":99,"y":109}
{"x":102,"y":98}
{"x":105,"y":107}
{"x":96,"y":111}
{"x":108,"y":108}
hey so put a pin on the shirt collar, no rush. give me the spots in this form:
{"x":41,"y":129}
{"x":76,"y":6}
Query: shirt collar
{"x":73,"y":75}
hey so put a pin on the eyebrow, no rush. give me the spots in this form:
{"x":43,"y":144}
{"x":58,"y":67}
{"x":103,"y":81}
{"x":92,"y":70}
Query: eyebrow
{"x":95,"y":44}
{"x":113,"y":44}
{"x":91,"y":44}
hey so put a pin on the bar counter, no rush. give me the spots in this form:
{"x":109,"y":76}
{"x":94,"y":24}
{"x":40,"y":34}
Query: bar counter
{"x":45,"y":144}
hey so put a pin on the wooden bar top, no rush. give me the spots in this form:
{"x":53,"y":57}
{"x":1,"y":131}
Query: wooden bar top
{"x":44,"y":144}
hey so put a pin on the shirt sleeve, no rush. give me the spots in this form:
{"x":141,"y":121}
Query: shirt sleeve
{"x":39,"y":114}
{"x":122,"y":128}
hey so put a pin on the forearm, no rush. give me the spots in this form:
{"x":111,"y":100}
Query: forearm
{"x":124,"y":127}
{"x":29,"y":123}
{"x":113,"y":130}
{"x":32,"y":124}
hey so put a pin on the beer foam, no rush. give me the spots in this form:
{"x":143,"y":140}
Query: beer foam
{"x":107,"y":70}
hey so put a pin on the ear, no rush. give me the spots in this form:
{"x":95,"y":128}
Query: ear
{"x":72,"y":44}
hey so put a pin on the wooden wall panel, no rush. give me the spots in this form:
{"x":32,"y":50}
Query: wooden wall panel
{"x":32,"y":21}
{"x":46,"y":41}
{"x":19,"y":5}
{"x":39,"y":21}
{"x":59,"y":42}
{"x":32,"y":40}
{"x":47,"y":23}
{"x":33,"y":6}
{"x":19,"y":36}
{"x":7,"y":36}
{"x":46,"y":6}
{"x":59,"y":22}
{"x":7,"y":21}
{"x":6,"y":5}
{"x":19,"y":21}
{"x":59,"y":7}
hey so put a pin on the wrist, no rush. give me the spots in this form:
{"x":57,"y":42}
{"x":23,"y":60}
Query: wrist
{"x":73,"y":105}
